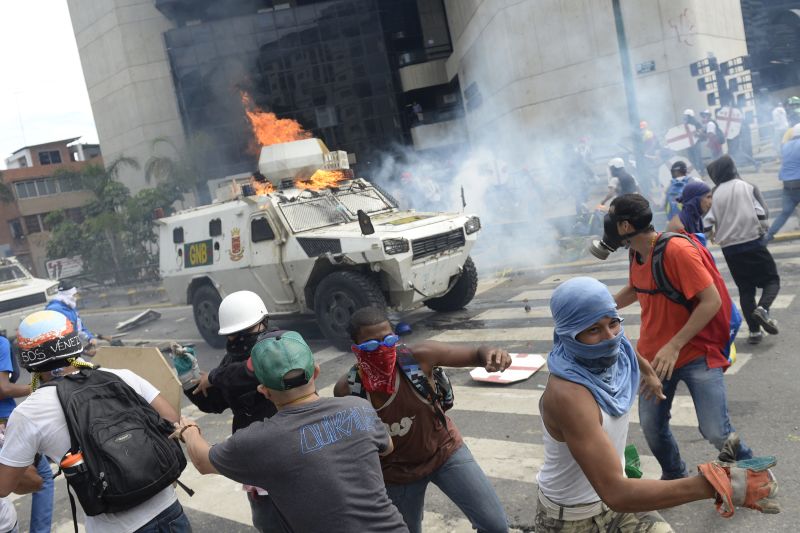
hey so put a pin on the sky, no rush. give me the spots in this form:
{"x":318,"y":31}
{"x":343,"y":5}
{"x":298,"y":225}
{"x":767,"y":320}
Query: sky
{"x":42,"y":93}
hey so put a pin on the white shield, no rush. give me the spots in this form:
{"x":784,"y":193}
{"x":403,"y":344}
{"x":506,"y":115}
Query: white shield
{"x":680,"y":137}
{"x":730,"y":121}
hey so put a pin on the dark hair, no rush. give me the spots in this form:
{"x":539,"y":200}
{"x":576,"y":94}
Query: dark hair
{"x":366,"y":316}
{"x":634,"y":208}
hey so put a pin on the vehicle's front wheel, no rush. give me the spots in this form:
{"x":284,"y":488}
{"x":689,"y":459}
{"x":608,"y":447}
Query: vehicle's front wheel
{"x":205,"y":305}
{"x":337,"y":297}
{"x":462,"y":292}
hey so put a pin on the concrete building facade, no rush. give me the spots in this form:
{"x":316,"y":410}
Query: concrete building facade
{"x":121,"y":46}
{"x":551,"y":69}
{"x":37,"y":190}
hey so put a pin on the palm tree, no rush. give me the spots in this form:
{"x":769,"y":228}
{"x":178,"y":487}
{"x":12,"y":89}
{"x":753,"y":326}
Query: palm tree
{"x":181,"y":170}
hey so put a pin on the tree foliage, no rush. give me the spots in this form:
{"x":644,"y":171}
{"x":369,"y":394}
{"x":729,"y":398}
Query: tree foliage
{"x":117,"y":237}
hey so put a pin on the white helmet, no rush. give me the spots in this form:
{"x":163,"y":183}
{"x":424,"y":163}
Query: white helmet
{"x":240,"y":311}
{"x":688,"y":112}
{"x":617,"y":162}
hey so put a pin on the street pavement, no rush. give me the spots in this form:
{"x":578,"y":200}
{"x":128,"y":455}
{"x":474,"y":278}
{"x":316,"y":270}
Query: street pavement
{"x":501,"y":424}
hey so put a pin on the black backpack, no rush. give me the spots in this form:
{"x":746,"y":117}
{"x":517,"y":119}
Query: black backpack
{"x":128,"y":456}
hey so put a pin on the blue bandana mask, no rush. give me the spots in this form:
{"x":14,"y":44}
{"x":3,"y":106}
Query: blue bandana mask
{"x":608,"y":369}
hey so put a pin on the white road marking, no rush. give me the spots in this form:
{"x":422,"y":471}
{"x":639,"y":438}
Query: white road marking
{"x":599,"y":275}
{"x":741,"y":360}
{"x":488,"y":284}
{"x":516,"y":401}
{"x":545,"y":294}
{"x":524,"y":334}
{"x":215,"y":494}
{"x":521,"y":462}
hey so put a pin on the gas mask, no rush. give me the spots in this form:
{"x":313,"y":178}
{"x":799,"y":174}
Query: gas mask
{"x":612,"y":240}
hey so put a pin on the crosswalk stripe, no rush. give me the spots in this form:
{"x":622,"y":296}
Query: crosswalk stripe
{"x":521,"y":462}
{"x":217,"y":494}
{"x":526,"y":402}
{"x":525,"y":334}
{"x":488,"y":284}
{"x":545,"y":294}
{"x":599,"y":275}
{"x":783,"y":301}
{"x":741,"y":360}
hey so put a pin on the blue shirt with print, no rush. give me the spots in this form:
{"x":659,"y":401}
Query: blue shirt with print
{"x":6,"y":404}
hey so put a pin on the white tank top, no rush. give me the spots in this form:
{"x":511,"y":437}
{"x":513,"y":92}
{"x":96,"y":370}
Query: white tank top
{"x":561,"y":478}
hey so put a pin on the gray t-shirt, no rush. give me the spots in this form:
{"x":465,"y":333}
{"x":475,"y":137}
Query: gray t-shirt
{"x":319,"y":461}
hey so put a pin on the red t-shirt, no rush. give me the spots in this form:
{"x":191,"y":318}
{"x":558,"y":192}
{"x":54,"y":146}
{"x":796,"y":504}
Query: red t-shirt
{"x":663,"y":318}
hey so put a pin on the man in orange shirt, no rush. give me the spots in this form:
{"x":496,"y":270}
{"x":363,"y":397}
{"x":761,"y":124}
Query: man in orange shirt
{"x":680,"y":344}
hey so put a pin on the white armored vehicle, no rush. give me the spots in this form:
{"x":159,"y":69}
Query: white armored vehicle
{"x":308,"y":237}
{"x":20,"y":294}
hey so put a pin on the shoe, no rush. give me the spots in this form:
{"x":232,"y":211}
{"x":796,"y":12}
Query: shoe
{"x":761,"y":316}
{"x":755,"y":337}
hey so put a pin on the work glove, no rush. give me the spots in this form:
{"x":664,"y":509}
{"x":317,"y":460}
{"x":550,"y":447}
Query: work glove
{"x":747,"y":483}
{"x":186,"y":366}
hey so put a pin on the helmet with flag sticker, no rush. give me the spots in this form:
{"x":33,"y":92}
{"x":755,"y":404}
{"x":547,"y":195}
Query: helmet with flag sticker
{"x":47,"y":340}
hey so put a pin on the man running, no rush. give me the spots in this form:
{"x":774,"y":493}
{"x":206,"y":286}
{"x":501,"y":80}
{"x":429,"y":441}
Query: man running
{"x":428,"y":445}
{"x":585,"y":411}
{"x":681,"y":345}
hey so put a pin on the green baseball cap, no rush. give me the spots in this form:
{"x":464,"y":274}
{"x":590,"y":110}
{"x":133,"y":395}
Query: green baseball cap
{"x":274,"y":357}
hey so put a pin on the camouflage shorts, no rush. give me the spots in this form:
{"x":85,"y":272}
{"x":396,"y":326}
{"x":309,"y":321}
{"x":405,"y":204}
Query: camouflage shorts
{"x":606,"y":522}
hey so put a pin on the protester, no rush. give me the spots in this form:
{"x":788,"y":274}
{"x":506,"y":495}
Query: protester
{"x":694,"y":151}
{"x":740,"y":148}
{"x":738,"y":215}
{"x":50,"y":346}
{"x":29,"y":482}
{"x":780,"y":124}
{"x":328,"y":479}
{"x":694,"y":201}
{"x":680,"y":177}
{"x":620,"y":181}
{"x":681,"y":345}
{"x":42,"y":499}
{"x":65,"y":302}
{"x":244,"y":319}
{"x":585,"y":409}
{"x":427,"y":445}
{"x":712,"y":133}
{"x":789,"y":174}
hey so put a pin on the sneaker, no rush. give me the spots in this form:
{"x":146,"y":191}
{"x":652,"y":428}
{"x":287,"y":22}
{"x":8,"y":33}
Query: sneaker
{"x":761,"y":316}
{"x":755,"y":337}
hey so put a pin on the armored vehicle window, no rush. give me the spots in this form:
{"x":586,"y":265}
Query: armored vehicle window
{"x":260,"y":230}
{"x":215,"y":227}
{"x":177,"y":235}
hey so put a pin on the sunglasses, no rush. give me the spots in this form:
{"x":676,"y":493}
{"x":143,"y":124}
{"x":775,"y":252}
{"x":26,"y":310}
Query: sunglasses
{"x":373,"y":344}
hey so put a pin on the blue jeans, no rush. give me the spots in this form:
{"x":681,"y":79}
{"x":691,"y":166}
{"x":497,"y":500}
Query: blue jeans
{"x":707,"y":387}
{"x":790,"y":198}
{"x":463,"y":481}
{"x":170,"y":520}
{"x":42,"y":500}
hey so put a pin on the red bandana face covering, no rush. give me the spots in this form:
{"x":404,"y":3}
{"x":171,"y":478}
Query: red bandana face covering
{"x":378,"y":368}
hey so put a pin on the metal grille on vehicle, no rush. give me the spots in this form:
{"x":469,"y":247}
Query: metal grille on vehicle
{"x":315,"y":247}
{"x":437,"y":243}
{"x":22,"y":302}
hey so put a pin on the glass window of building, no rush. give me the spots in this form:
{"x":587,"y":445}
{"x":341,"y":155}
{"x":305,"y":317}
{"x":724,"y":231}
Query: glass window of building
{"x":50,"y":157}
{"x":32,"y":224}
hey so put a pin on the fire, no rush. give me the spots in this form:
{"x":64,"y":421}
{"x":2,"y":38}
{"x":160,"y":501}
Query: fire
{"x":322,"y":179}
{"x":261,"y":187}
{"x":268,"y":128}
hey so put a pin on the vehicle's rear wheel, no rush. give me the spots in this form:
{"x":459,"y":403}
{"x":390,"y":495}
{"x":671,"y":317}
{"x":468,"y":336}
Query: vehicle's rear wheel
{"x":462,"y":292}
{"x":337,"y":297}
{"x":205,"y":305}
